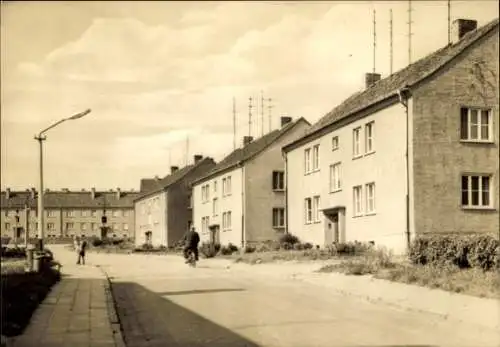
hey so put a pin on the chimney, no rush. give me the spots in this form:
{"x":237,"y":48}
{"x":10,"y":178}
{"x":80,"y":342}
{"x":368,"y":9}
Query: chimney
{"x":173,"y":169}
{"x":66,"y":190}
{"x":285,"y":120}
{"x":92,"y":193}
{"x":461,"y":27}
{"x":247,"y":140}
{"x":371,"y":78}
{"x":32,"y":193}
{"x":47,"y":190}
{"x":7,"y":193}
{"x":118,"y":193}
{"x":197,"y":158}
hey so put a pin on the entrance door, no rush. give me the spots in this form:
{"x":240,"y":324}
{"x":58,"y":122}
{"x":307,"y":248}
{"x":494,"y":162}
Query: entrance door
{"x":214,"y":234}
{"x":335,"y":228}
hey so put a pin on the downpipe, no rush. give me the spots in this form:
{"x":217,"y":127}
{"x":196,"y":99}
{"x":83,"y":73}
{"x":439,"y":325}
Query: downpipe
{"x":403,"y":100}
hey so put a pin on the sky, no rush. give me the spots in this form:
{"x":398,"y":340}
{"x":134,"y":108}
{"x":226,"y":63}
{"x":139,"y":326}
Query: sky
{"x":157,"y":73}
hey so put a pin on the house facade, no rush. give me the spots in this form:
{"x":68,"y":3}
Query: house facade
{"x":163,"y":211}
{"x":416,"y":152}
{"x":242,"y":200}
{"x":68,"y":213}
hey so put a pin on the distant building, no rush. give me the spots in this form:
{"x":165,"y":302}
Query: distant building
{"x":69,"y":213}
{"x":163,"y":209}
{"x":242,"y":200}
{"x":415,"y":152}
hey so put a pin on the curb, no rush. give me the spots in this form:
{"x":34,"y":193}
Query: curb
{"x":113,"y":316}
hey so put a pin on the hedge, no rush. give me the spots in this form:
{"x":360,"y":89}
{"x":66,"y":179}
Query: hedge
{"x":463,"y":251}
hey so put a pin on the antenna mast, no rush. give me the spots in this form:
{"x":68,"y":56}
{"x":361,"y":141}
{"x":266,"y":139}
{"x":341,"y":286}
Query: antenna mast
{"x":269,"y":107}
{"x":374,"y":41}
{"x":250,"y":116}
{"x":391,"y":38}
{"x":262,"y":113}
{"x":234,"y":123}
{"x":187,"y":149}
{"x":409,"y":31}
{"x":449,"y":22}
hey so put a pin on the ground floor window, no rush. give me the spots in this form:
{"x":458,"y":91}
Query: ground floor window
{"x":226,"y":220}
{"x":278,"y":217}
{"x":357,"y":200}
{"x":476,"y":191}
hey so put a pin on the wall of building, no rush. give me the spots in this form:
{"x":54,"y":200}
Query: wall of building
{"x":385,"y":167}
{"x":260,"y":196}
{"x":232,"y":203}
{"x":440,"y":157}
{"x":151,"y":216}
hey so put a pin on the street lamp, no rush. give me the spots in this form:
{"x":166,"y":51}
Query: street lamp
{"x":40,"y":138}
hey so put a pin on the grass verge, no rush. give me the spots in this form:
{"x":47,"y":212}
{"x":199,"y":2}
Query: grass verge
{"x":21,"y":294}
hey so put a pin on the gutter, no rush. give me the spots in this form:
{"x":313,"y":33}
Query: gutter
{"x":403,"y":95}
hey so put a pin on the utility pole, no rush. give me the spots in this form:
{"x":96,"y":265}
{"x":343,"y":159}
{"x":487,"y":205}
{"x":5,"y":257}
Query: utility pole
{"x":409,"y":31}
{"x":269,"y":107}
{"x":391,"y":40}
{"x":374,"y":41}
{"x":449,"y":22}
{"x":187,"y":150}
{"x":234,"y":123}
{"x":262,"y":113}
{"x":250,"y":116}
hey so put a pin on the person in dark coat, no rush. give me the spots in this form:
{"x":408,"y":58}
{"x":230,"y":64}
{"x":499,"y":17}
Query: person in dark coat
{"x":191,"y":240}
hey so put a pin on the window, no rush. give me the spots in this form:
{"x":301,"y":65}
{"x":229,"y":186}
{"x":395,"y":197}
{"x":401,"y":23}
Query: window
{"x":215,"y":207}
{"x":476,"y":191}
{"x":370,"y":198}
{"x":51,"y":213}
{"x":51,"y":226}
{"x":335,"y":178}
{"x":205,"y":193}
{"x":357,"y":199}
{"x":307,"y":160}
{"x":308,"y":210}
{"x":369,"y":131}
{"x":69,"y":226}
{"x":278,"y":180}
{"x":126,"y":213}
{"x":114,"y":226}
{"x":356,"y":142}
{"x":215,"y":187}
{"x":116,"y":213}
{"x":226,"y":220}
{"x":335,"y":143}
{"x":476,"y":125}
{"x":278,"y":217}
{"x":7,"y":226}
{"x":315,"y":158}
{"x":94,"y":226}
{"x":190,"y":203}
{"x":94,"y":213}
{"x":84,"y":226}
{"x":316,"y":208}
{"x":69,"y":213}
{"x":226,"y":186}
{"x":125,"y":226}
{"x":205,"y":222}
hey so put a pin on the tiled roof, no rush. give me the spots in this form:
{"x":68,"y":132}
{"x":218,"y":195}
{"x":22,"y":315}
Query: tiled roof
{"x":241,"y":155}
{"x":70,"y":199}
{"x":148,"y":184}
{"x":406,"y":77}
{"x":165,"y":182}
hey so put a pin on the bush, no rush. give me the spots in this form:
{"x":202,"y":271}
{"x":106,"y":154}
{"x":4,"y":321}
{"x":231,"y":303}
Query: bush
{"x":308,"y":245}
{"x":462,"y":251}
{"x":287,"y":246}
{"x":210,"y":250}
{"x":97,"y":242}
{"x":289,"y":239}
{"x":250,"y":249}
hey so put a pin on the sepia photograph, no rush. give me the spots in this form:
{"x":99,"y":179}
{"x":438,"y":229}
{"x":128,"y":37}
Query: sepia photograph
{"x":250,"y":173}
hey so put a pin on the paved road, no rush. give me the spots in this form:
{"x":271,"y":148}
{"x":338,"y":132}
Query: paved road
{"x":162,"y":302}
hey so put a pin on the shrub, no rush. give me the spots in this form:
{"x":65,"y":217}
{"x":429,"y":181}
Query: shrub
{"x":250,"y":249}
{"x":462,"y":251}
{"x":225,"y":250}
{"x":232,"y":247}
{"x":288,"y":238}
{"x":298,"y":247}
{"x":308,"y":245}
{"x":209,"y":250}
{"x":97,"y":242}
{"x":117,"y":241}
{"x":287,"y":246}
{"x":146,"y":247}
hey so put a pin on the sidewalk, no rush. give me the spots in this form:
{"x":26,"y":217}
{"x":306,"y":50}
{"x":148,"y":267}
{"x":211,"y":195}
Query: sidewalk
{"x":77,"y":312}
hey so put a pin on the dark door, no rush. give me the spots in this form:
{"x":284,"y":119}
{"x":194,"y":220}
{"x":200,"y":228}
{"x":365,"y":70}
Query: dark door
{"x":336,"y":229}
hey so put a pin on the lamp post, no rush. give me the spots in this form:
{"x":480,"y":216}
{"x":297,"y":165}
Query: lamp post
{"x":40,"y":138}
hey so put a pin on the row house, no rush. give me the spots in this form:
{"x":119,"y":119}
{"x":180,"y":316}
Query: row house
{"x":163,"y":210}
{"x":68,"y":213}
{"x":416,"y":152}
{"x":242,"y":200}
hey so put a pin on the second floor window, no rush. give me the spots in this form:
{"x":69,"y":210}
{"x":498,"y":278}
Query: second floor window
{"x":94,"y":213}
{"x":356,"y":142}
{"x":307,"y":160}
{"x":476,"y":191}
{"x":226,"y":185}
{"x":335,"y":181}
{"x":215,"y":207}
{"x":70,"y":213}
{"x":369,"y":132}
{"x":315,"y":161}
{"x":278,"y":180}
{"x":335,"y":143}
{"x":51,"y":213}
{"x":476,"y":125}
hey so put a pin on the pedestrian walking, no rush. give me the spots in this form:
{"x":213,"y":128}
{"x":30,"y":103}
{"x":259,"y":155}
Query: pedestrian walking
{"x":81,"y":250}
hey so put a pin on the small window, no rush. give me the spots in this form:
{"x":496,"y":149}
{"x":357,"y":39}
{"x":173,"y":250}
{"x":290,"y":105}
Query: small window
{"x":226,"y":186}
{"x":215,"y":207}
{"x":315,"y":161}
{"x":476,"y":191}
{"x":278,"y":180}
{"x":357,"y":199}
{"x":316,"y":208}
{"x":356,"y":142}
{"x":307,"y":160}
{"x":476,"y":125}
{"x":308,"y":210}
{"x":370,"y":198}
{"x":335,"y":178}
{"x":335,"y":143}
{"x":369,"y":134}
{"x":278,"y":217}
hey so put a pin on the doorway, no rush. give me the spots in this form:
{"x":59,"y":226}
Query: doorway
{"x":334,"y":225}
{"x":214,"y":234}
